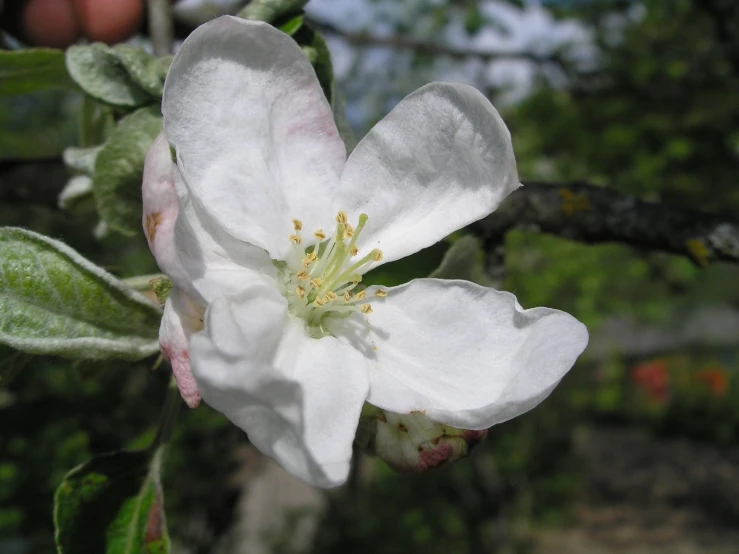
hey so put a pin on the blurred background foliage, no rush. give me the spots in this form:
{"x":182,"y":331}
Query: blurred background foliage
{"x":634,"y":451}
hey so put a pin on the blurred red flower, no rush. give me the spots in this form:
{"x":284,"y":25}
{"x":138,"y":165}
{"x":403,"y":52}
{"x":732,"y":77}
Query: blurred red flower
{"x":716,"y":379}
{"x":653,"y":378}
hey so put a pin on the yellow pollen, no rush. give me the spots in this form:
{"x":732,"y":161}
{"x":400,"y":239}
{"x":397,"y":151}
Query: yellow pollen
{"x":297,"y":225}
{"x":348,"y":296}
{"x":348,"y":230}
{"x":377,"y":254}
{"x":302,"y":275}
{"x":361,"y":294}
{"x":341,"y":217}
{"x":310,"y":258}
{"x":319,"y":302}
{"x":319,"y":234}
{"x":295,"y":239}
{"x":354,"y":251}
{"x":366,"y":309}
{"x":379,"y":293}
{"x":300,"y":291}
{"x":331,"y":296}
{"x":316,"y":283}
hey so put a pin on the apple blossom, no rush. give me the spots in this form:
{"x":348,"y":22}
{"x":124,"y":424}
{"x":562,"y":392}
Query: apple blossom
{"x":266,"y":229}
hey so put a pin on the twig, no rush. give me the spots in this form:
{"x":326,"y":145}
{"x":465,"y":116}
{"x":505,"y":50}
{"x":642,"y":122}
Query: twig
{"x":591,"y":214}
{"x":161,"y":27}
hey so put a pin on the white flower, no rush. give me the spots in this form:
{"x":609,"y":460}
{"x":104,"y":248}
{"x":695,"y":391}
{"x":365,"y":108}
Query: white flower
{"x":266,"y":229}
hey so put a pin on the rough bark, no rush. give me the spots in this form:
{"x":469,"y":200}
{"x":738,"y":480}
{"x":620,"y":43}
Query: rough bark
{"x":591,"y":214}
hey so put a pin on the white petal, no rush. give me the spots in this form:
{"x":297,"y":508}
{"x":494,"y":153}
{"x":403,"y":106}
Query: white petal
{"x":297,"y":398}
{"x":258,"y":144}
{"x":466,"y":355}
{"x":439,"y":161}
{"x":161,"y":208}
{"x":195,"y":253}
{"x":180,"y":319}
{"x":215,"y":263}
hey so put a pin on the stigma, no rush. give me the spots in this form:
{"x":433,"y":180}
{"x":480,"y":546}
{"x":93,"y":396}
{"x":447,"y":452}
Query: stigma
{"x":321,"y":278}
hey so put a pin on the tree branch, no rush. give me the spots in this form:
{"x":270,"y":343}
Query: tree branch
{"x":161,"y":26}
{"x":577,"y":211}
{"x":426,"y":48}
{"x":592,"y":214}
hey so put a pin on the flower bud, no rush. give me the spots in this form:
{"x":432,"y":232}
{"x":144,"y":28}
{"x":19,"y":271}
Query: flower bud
{"x":412,"y":443}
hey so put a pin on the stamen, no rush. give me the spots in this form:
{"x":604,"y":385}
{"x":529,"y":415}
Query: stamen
{"x":330,"y":272}
{"x":309,"y":259}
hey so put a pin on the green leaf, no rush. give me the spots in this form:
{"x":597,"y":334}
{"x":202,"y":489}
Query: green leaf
{"x":53,"y":301}
{"x":291,"y":26}
{"x":76,"y":193}
{"x":24,"y":71}
{"x":112,"y":504}
{"x":81,"y":159}
{"x":119,"y":167}
{"x":463,"y":260}
{"x":101,"y":74}
{"x":143,"y":68}
{"x":315,"y":47}
{"x":271,"y":10}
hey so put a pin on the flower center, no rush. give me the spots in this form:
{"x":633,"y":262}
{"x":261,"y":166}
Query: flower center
{"x":322,"y":278}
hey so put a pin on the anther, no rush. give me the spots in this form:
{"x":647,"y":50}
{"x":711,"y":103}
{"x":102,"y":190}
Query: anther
{"x":330,"y":296}
{"x":297,"y":225}
{"x":354,"y":251}
{"x":302,"y":275}
{"x":319,"y":302}
{"x":341,"y":217}
{"x":366,"y":309}
{"x":309,"y":259}
{"x":319,"y":234}
{"x":300,"y":291}
{"x":361,"y":294}
{"x":316,"y":282}
{"x":295,"y":239}
{"x":348,"y":296}
{"x":379,"y":293}
{"x":377,"y":254}
{"x":348,"y":230}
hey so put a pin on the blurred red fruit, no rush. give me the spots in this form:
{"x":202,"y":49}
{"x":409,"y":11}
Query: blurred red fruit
{"x":51,"y":23}
{"x":109,"y":21}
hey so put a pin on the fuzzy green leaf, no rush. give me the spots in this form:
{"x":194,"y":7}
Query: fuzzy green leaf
{"x":142,"y":67}
{"x":119,"y":167}
{"x":24,"y":71}
{"x":102,"y":75}
{"x":53,"y":301}
{"x":112,"y":504}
